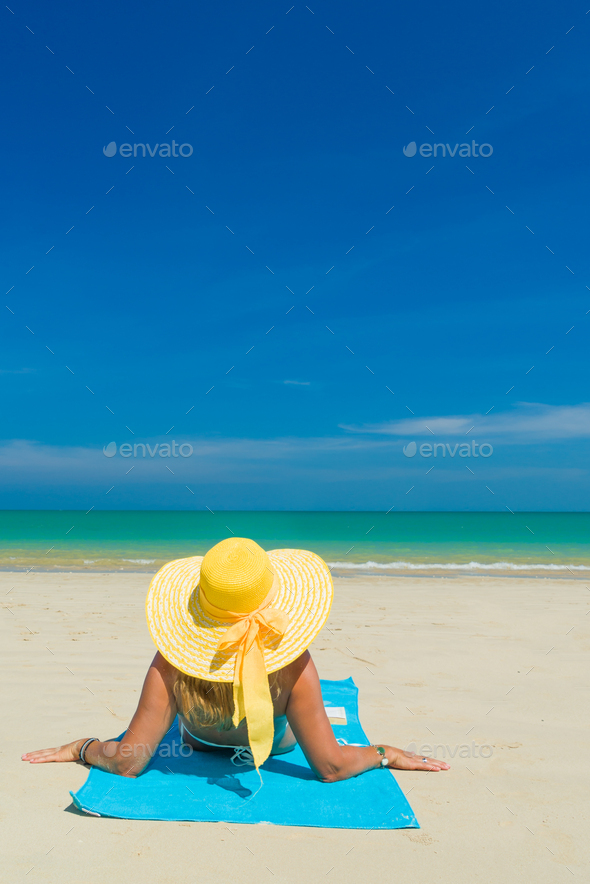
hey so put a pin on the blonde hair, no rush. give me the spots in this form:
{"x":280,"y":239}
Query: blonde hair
{"x":210,"y":703}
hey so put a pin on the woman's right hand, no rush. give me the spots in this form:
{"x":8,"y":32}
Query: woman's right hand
{"x":399,"y":759}
{"x":69,"y":752}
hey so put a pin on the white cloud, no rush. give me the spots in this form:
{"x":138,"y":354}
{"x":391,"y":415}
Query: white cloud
{"x":223,"y":460}
{"x":527,"y":422}
{"x":367,"y":471}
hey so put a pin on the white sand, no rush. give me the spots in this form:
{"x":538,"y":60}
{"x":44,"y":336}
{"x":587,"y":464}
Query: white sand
{"x":492,"y":661}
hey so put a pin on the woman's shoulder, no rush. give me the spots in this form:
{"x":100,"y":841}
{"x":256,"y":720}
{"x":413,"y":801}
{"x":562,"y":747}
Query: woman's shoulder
{"x":168,"y":672}
{"x":291,"y":673}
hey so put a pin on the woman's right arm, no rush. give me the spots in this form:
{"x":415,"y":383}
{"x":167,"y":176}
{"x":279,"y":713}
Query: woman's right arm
{"x":331,"y":761}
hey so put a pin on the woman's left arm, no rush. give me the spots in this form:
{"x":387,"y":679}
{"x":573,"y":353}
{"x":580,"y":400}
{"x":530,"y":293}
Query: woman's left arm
{"x":153,"y":718}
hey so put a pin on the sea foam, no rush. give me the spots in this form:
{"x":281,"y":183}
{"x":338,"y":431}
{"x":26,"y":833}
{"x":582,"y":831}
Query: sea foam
{"x":453,"y":566}
{"x":140,"y":561}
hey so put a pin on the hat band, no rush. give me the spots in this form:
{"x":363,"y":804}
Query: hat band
{"x":252,"y":699}
{"x":222,"y":614}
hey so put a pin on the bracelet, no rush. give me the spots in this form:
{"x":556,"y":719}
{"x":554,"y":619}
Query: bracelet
{"x":82,"y":753}
{"x":383,"y":758}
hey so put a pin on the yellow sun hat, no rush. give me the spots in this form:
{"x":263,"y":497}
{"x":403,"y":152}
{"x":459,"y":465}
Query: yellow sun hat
{"x":236,"y":615}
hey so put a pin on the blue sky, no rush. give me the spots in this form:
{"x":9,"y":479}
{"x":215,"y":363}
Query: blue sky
{"x":156,"y":291}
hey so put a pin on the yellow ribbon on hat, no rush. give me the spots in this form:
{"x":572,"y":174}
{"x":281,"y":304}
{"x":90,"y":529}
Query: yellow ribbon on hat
{"x":252,"y":699}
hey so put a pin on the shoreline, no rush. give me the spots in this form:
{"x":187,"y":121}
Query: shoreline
{"x":460,"y":576}
{"x":365,"y":543}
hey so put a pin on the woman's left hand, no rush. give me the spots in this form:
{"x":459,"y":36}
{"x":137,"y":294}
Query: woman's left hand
{"x":69,"y":752}
{"x":399,"y":759}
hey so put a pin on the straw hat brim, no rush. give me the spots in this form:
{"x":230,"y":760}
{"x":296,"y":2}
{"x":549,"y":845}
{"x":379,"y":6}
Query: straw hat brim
{"x":188,"y":637}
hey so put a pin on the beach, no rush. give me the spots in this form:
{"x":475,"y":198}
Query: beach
{"x":489,"y":669}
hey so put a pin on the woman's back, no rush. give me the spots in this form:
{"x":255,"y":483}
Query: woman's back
{"x":205,"y":737}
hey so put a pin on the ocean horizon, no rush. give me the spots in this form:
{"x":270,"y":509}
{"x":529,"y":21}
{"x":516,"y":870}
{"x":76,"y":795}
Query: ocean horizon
{"x":363,"y":543}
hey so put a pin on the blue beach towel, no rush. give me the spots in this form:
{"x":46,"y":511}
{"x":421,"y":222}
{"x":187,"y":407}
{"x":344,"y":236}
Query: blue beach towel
{"x":207,"y":786}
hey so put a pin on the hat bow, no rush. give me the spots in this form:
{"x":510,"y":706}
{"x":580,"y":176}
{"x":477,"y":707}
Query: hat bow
{"x":252,"y":699}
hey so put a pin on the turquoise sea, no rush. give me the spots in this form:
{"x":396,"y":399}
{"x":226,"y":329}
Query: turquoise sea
{"x":351,"y":542}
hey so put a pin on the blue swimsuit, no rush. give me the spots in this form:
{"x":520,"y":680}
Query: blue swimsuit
{"x":243,"y":754}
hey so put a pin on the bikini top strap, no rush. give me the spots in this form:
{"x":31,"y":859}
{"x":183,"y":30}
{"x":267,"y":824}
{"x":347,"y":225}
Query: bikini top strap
{"x":242,"y":754}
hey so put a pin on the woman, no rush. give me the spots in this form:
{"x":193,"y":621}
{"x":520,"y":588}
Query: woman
{"x":232,"y":630}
